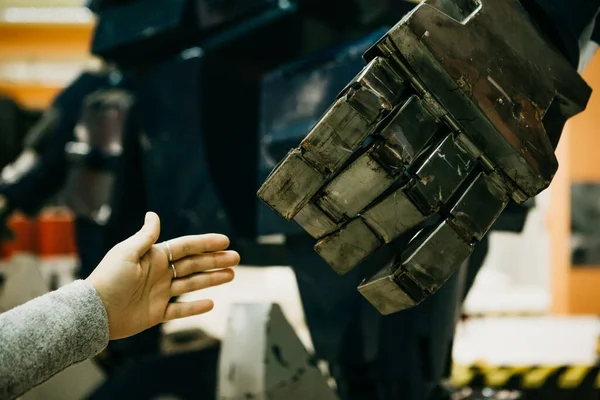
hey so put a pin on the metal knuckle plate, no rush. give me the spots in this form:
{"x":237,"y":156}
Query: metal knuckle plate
{"x":346,"y":248}
{"x":440,"y":175}
{"x":291,"y":185}
{"x":393,"y":216}
{"x":434,"y":256}
{"x":507,"y":89}
{"x":384,"y":293}
{"x":451,"y":116}
{"x":410,"y":129}
{"x":382,"y":81}
{"x":315,"y":221}
{"x":336,"y":136}
{"x":478,"y":207}
{"x":358,"y":185}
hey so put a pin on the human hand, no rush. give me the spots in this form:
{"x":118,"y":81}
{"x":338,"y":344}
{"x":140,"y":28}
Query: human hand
{"x":135,"y":280}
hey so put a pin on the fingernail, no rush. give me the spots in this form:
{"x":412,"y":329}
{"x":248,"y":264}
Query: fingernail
{"x":147,"y":218}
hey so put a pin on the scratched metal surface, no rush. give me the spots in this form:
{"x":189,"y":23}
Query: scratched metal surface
{"x":454,"y":114}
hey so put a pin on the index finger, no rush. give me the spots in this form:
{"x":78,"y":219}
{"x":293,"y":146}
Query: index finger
{"x":185,"y":246}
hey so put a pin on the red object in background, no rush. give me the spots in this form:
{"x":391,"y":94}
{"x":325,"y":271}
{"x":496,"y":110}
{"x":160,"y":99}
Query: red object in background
{"x":56,"y":233}
{"x":25,"y":233}
{"x":51,"y":234}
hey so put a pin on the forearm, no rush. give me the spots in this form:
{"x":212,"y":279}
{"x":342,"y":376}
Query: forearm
{"x":48,"y":334}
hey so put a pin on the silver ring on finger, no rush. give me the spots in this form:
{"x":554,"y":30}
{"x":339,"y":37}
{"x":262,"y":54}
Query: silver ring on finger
{"x":169,"y":253}
{"x":174,"y":270}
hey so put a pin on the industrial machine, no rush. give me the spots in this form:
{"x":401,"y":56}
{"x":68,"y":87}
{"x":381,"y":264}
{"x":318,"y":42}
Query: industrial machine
{"x":409,"y":161}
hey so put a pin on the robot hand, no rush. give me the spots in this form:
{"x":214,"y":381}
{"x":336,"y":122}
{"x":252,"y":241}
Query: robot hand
{"x":457,"y":112}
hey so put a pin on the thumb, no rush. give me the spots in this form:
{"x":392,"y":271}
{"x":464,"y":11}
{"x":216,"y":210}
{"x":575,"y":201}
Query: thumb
{"x":142,"y":241}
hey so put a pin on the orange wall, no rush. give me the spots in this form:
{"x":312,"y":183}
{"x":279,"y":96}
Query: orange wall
{"x":584,"y":132}
{"x":48,"y":41}
{"x":559,"y":229}
{"x":575,"y":290}
{"x":41,"y":42}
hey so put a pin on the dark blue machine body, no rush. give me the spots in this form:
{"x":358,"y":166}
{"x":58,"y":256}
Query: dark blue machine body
{"x":568,"y":23}
{"x":174,"y":158}
{"x":197,"y":110}
{"x":148,"y":30}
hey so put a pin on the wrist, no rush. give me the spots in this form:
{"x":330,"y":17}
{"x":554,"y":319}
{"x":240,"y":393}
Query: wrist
{"x":98,"y":288}
{"x":100,"y":305}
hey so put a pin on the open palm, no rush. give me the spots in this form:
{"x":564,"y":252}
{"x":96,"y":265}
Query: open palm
{"x":136,"y":283}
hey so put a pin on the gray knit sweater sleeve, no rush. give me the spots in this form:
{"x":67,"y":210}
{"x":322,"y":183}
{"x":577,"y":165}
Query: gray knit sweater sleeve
{"x":46,"y":335}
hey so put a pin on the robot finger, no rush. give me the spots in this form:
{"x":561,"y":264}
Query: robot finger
{"x":334,"y":139}
{"x":378,"y":213}
{"x":403,"y":137}
{"x":437,"y":252}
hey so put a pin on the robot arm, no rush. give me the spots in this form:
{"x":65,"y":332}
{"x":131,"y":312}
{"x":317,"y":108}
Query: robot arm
{"x":457,"y":113}
{"x":38,"y":172}
{"x":23,"y":167}
{"x":41,"y":169}
{"x":39,"y":135}
{"x":36,"y":140}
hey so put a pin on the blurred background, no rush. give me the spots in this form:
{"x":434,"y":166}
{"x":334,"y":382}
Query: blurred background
{"x":530,"y":322}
